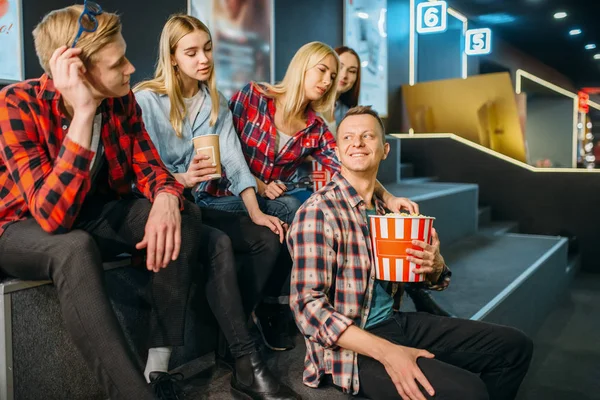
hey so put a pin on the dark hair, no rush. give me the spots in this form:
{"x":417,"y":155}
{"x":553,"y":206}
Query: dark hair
{"x":350,"y":98}
{"x":364,"y":110}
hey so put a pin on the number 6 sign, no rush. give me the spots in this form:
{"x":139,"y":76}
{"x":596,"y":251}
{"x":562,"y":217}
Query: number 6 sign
{"x":432,"y":17}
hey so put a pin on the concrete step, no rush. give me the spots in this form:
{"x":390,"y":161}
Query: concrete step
{"x":406,"y":171}
{"x":389,"y":169}
{"x":511,"y":279}
{"x":484,"y":214}
{"x":419,"y":180}
{"x":499,"y":228}
{"x":454,"y":205}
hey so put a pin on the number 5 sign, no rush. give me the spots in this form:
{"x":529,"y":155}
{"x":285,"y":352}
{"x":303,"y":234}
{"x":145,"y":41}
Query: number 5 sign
{"x":432,"y":17}
{"x":478,"y":41}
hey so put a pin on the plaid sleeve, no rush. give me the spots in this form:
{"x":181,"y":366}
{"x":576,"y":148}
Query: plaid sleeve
{"x":325,"y":154}
{"x":311,"y":245}
{"x":151,"y":175}
{"x":238,"y":104}
{"x":53,"y":191}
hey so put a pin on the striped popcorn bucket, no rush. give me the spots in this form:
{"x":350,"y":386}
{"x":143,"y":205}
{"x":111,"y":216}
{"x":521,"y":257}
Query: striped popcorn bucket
{"x":320,"y":176}
{"x":391,"y":236}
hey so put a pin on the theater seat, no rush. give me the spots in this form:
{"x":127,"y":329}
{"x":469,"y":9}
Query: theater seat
{"x":37,"y":357}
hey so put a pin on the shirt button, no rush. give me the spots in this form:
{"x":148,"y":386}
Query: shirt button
{"x":372,"y":277}
{"x":271,"y":164}
{"x":64,"y":127}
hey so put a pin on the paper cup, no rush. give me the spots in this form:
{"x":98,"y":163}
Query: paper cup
{"x":320,"y":175}
{"x":391,"y":236}
{"x":209,"y":145}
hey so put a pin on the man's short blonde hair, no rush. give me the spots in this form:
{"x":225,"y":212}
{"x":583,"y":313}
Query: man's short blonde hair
{"x":365,"y":110}
{"x":59,"y":28}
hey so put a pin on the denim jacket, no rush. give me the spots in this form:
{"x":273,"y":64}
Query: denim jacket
{"x":177,"y":153}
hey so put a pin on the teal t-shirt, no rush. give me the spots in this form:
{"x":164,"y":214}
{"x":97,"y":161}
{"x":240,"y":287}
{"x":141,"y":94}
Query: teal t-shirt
{"x":382,"y":303}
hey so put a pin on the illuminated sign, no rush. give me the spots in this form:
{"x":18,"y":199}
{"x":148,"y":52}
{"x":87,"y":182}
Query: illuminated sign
{"x":432,"y":17}
{"x":478,"y":41}
{"x":583,"y":99}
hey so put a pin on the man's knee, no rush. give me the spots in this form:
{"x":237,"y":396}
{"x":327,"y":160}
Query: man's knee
{"x":518,"y":344}
{"x":521,"y":344}
{"x":191,"y":226}
{"x":78,"y":255}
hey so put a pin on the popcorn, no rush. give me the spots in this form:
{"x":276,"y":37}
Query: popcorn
{"x":391,"y":235}
{"x":405,"y":215}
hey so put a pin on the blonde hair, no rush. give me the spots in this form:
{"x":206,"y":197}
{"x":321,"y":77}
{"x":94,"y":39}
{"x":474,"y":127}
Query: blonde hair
{"x":59,"y":28}
{"x":166,"y":78}
{"x":292,"y":85}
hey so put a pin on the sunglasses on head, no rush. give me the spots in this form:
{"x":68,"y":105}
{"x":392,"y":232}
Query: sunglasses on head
{"x":87,"y":19}
{"x":302,"y":183}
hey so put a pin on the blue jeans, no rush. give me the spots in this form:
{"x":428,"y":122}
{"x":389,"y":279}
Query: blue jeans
{"x":283,"y":207}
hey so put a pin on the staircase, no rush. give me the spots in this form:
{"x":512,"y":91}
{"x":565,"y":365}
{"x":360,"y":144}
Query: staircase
{"x":499,"y":275}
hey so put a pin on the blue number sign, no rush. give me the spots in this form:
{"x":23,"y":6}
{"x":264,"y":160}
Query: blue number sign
{"x":478,"y":41}
{"x":432,"y":17}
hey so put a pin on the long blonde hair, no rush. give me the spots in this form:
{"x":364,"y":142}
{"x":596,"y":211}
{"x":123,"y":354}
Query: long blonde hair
{"x":166,"y":78}
{"x":292,"y":85}
{"x":59,"y":28}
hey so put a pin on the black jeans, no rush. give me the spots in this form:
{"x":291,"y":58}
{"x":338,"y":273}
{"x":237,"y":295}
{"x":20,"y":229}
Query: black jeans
{"x":233,"y":294}
{"x":73,"y":261}
{"x":473,"y":360}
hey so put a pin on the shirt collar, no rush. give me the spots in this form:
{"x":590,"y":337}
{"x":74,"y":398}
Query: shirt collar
{"x":352,"y":195}
{"x":203,"y":88}
{"x":47,"y":89}
{"x":311,"y":116}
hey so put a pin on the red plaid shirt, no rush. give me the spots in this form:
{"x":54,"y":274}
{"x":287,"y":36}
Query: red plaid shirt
{"x":46,"y":175}
{"x":333,"y":279}
{"x":254,"y":121}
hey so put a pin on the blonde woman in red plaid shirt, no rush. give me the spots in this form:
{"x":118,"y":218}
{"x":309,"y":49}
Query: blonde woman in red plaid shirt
{"x":279,"y":128}
{"x":354,"y":336}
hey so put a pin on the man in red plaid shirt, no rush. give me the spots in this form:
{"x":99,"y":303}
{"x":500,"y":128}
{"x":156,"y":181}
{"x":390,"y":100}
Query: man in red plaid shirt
{"x":72,"y":145}
{"x":355,"y":337}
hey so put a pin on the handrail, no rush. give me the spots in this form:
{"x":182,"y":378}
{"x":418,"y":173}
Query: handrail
{"x":491,"y":152}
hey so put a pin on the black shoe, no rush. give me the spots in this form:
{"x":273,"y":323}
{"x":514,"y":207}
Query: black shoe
{"x":252,"y":380}
{"x":424,"y":302}
{"x":273,"y":322}
{"x":166,"y":386}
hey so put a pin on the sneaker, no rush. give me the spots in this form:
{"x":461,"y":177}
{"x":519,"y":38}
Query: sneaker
{"x":273,"y":323}
{"x":166,"y":386}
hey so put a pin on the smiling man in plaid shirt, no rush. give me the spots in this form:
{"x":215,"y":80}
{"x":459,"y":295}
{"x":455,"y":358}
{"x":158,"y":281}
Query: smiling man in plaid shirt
{"x":72,"y":144}
{"x":355,"y":338}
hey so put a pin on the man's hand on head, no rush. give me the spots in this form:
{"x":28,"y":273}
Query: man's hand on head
{"x":68,"y":75}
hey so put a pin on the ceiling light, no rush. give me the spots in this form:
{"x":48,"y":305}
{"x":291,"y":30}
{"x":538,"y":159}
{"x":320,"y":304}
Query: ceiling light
{"x":560,"y":15}
{"x":590,"y":46}
{"x":497,"y":18}
{"x":574,"y":32}
{"x":596,"y":56}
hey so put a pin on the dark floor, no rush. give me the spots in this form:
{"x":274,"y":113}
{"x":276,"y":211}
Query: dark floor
{"x":566,"y":364}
